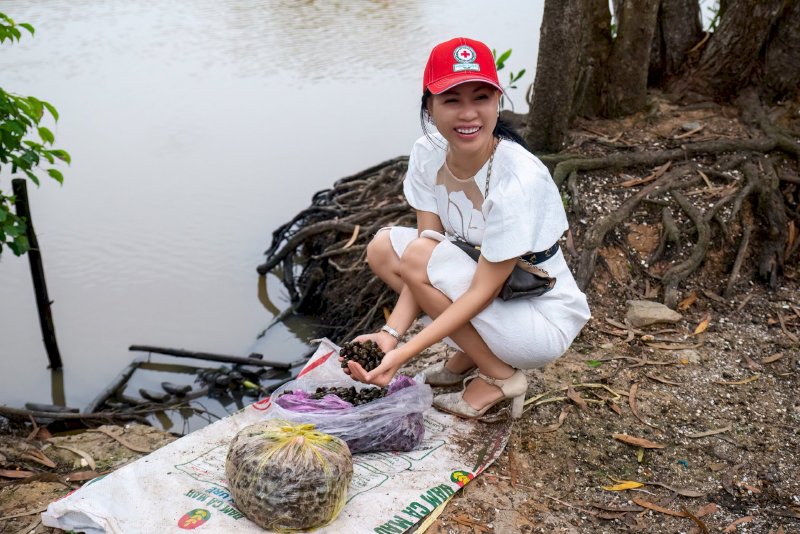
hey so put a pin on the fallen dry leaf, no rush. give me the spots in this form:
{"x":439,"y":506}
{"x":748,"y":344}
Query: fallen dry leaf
{"x":657,"y":508}
{"x":706,"y":509}
{"x":713,"y":296}
{"x":740,"y":521}
{"x":709,"y":432}
{"x":39,"y":457}
{"x":15,"y":473}
{"x":697,"y":521}
{"x":786,"y":330}
{"x":657,"y":173}
{"x":637,"y":442}
{"x":773,"y":358}
{"x":632,"y":402}
{"x":552,"y":428}
{"x":574,"y":397}
{"x":616,"y":509}
{"x":624,"y":485}
{"x":680,"y":491}
{"x":122,"y":441}
{"x":748,"y":487}
{"x":751,"y":363}
{"x":703,"y":324}
{"x":689,"y":134}
{"x":386,"y":313}
{"x":688,"y":301}
{"x":663,"y":380}
{"x":614,"y":407}
{"x":739,"y":382}
{"x":80,"y":476}
{"x":83,"y":454}
{"x":674,"y":346}
{"x":717,"y":466}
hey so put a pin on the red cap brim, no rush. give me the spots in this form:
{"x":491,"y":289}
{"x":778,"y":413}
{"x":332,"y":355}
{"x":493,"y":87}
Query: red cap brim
{"x":443,"y":84}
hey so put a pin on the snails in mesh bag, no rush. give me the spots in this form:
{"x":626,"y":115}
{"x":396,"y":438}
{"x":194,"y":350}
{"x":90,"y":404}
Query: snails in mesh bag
{"x":288,"y":476}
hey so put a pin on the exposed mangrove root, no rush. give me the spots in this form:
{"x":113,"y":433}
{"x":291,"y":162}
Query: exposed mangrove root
{"x":659,"y":157}
{"x":747,"y":229}
{"x":328,"y":240}
{"x":597,"y":232}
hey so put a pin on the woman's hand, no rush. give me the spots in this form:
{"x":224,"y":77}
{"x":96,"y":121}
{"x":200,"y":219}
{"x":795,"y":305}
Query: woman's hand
{"x":381,"y":375}
{"x":384,"y":341}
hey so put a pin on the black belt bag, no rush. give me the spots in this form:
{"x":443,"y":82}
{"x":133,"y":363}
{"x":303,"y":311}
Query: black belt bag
{"x":526,"y":280}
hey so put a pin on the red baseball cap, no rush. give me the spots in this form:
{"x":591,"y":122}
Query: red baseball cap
{"x":457,"y":61}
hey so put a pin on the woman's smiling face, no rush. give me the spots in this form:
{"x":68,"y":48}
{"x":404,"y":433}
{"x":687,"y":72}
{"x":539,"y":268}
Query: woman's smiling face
{"x":466,"y":114}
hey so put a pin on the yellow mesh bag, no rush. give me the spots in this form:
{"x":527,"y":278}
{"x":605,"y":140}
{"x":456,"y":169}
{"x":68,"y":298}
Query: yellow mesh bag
{"x":287,"y":476}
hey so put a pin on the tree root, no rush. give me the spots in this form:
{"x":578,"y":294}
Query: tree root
{"x":702,"y":148}
{"x":597,"y":232}
{"x":329,"y":240}
{"x":747,"y":220}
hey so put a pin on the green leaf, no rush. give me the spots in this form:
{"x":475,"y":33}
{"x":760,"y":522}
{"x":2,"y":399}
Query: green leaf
{"x":32,"y":176}
{"x":19,"y":246}
{"x":594,"y":363}
{"x":3,"y":213}
{"x":15,"y":127}
{"x":517,"y":76}
{"x":27,"y":27}
{"x":13,"y":231}
{"x":37,"y":107}
{"x":56,"y":174}
{"x":504,"y":56}
{"x":52,"y":109}
{"x":62,"y":155}
{"x":46,"y":135}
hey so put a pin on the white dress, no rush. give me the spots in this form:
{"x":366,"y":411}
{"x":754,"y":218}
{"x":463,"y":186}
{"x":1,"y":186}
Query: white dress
{"x":523,"y":213}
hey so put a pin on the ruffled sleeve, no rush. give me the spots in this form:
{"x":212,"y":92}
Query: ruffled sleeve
{"x":523,"y":212}
{"x":421,"y":176}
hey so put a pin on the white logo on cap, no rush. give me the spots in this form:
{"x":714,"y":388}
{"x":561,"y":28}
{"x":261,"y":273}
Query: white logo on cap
{"x":464,"y":54}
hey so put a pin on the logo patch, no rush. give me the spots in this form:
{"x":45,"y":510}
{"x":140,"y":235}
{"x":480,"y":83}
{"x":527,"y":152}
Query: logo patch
{"x":465,"y":55}
{"x":461,"y":477}
{"x":194,"y":519}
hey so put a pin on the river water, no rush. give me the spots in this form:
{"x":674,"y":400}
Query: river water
{"x":196,"y":127}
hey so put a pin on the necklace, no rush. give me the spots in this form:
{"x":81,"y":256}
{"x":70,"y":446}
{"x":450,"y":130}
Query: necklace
{"x":495,"y":142}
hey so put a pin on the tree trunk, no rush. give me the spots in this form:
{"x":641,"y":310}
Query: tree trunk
{"x":593,"y":59}
{"x":781,"y":70}
{"x":732,"y":56}
{"x":630,"y":58}
{"x":556,"y":72}
{"x":678,"y":29}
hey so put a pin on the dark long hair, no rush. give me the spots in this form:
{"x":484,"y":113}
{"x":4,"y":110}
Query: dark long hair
{"x":503,"y":130}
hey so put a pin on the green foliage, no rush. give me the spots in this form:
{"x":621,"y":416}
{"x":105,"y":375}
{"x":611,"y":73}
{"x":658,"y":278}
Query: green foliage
{"x":25,"y":144}
{"x":714,"y":22}
{"x":594,"y":364}
{"x":500,"y":63}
